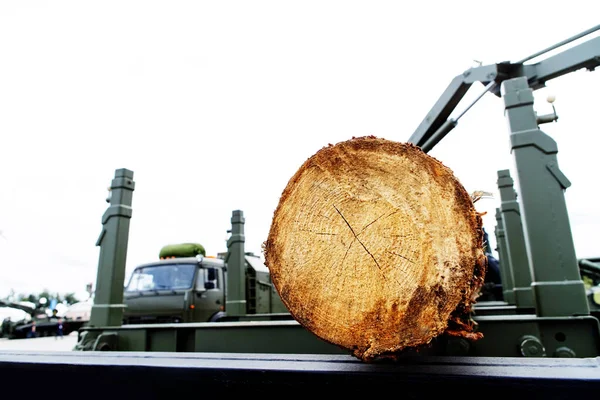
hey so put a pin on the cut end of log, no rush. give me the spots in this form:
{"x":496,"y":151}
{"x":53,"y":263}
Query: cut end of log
{"x":376,"y":247}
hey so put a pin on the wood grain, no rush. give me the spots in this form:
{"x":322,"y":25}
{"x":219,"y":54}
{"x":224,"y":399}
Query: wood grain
{"x":375,"y":246}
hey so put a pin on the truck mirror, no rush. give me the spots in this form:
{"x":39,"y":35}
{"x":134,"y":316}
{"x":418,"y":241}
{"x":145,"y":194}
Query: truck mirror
{"x":209,"y":285}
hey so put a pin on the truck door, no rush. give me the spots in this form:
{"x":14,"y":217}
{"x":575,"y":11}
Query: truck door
{"x":208,"y":295}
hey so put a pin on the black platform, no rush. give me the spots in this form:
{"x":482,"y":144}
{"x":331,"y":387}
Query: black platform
{"x":113,"y":375}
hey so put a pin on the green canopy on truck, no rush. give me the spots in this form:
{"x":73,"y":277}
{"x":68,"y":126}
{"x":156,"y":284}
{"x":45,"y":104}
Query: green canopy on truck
{"x":182,"y":250}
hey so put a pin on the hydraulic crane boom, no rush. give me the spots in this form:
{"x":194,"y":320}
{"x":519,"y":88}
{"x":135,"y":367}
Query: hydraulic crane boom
{"x":437,"y":123}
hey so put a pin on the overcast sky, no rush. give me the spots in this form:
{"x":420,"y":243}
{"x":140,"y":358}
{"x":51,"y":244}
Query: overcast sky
{"x":215,"y":105}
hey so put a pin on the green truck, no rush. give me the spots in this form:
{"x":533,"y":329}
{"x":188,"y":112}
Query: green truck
{"x":184,"y":288}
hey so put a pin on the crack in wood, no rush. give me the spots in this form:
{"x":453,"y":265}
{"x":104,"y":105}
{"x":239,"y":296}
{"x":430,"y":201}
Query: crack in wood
{"x":317,"y":232}
{"x":401,"y":256}
{"x":364,"y":246}
{"x":375,"y":220}
{"x":358,"y":240}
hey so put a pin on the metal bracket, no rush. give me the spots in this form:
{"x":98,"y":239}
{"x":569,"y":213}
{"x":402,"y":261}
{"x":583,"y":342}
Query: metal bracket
{"x":562,"y":180}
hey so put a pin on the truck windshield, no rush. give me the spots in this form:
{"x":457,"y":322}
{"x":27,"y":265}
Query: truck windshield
{"x":162,"y":277}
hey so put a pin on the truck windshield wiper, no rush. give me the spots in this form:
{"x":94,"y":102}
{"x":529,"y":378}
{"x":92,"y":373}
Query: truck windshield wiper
{"x":164,"y":287}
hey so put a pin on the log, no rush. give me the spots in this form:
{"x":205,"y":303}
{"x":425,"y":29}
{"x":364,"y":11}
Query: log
{"x":376,"y":247}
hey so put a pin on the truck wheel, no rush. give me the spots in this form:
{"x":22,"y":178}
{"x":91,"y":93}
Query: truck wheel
{"x":217,"y":316}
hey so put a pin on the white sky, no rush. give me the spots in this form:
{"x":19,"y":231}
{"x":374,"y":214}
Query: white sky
{"x":215,"y":105}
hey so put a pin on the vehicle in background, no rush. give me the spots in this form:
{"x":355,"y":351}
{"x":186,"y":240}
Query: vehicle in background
{"x":193,"y":289}
{"x":28,"y":320}
{"x":79,"y":311}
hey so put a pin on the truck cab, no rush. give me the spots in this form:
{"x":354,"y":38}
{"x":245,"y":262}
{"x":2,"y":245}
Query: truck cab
{"x":194,"y":289}
{"x":186,"y":289}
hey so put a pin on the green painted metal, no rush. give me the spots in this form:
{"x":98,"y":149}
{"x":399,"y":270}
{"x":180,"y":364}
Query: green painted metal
{"x":505,"y":268}
{"x":515,"y":242}
{"x":512,"y":336}
{"x":558,"y":288}
{"x":504,"y":336}
{"x":261,"y":295}
{"x":236,"y":274}
{"x":108,"y":300}
{"x":204,"y":300}
{"x":167,"y":302}
{"x":273,"y":337}
{"x":437,"y":124}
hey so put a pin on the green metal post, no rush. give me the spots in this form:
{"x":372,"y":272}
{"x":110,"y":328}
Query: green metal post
{"x":515,"y":241}
{"x":557,"y":285}
{"x":108,"y":299}
{"x":236,"y":266}
{"x":504,"y":261}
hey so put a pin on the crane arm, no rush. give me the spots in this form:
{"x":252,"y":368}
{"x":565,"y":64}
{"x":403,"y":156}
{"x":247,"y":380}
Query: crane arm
{"x":437,"y":123}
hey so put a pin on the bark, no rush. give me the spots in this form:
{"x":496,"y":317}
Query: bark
{"x":376,"y":247}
